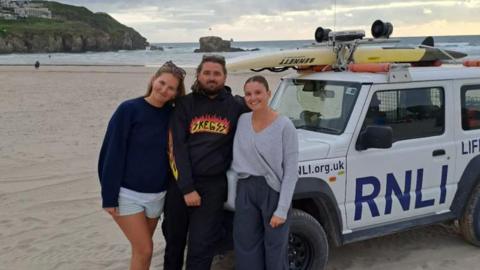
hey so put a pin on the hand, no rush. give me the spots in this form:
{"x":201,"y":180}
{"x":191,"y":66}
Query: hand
{"x":276,"y":222}
{"x":192,"y":199}
{"x":113,"y":211}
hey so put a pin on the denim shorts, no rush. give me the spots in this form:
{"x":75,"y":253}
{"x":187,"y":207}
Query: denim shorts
{"x":128,"y":206}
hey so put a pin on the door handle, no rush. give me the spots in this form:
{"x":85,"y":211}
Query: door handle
{"x":438,"y":152}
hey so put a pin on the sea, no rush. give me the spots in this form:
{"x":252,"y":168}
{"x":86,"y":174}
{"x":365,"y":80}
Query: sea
{"x":183,"y":55}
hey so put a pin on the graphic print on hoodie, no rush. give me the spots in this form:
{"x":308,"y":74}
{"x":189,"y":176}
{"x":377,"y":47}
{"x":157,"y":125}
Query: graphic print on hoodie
{"x":201,"y":136}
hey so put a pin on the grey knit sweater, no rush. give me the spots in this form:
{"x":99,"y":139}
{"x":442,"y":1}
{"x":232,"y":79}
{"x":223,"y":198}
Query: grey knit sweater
{"x":272,"y":153}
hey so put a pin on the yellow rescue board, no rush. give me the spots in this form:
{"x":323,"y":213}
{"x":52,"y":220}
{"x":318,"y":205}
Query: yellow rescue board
{"x":325,"y":56}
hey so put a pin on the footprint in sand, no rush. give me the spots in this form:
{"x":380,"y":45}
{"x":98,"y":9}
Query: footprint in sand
{"x":92,"y":235}
{"x":24,"y":244}
{"x":58,"y":235}
{"x":33,"y":220}
{"x":6,"y":222}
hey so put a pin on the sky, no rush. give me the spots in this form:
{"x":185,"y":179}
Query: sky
{"x":253,"y":20}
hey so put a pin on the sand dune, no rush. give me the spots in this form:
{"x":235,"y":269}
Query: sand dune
{"x":52,"y":123}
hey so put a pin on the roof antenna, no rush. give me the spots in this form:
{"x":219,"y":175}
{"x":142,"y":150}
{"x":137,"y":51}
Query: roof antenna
{"x":334,"y":14}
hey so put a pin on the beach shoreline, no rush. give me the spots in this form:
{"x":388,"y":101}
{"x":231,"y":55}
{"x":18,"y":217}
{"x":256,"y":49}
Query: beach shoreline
{"x":53,"y":121}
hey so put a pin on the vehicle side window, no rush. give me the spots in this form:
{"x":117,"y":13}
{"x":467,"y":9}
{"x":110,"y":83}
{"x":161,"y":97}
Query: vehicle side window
{"x":471,"y":107}
{"x":411,"y":113}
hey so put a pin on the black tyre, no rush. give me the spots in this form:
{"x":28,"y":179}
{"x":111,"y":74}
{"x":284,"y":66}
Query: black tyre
{"x":308,"y":244}
{"x":470,"y":221}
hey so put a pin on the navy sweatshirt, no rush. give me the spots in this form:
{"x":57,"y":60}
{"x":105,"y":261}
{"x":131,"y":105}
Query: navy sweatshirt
{"x":134,"y":151}
{"x":202,"y":136}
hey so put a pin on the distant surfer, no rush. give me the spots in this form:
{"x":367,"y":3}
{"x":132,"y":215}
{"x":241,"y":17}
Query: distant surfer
{"x":37,"y":64}
{"x":133,"y":164}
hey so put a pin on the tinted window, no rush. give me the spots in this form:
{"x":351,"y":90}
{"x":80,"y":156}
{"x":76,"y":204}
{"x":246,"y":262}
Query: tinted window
{"x":412,"y":113}
{"x":471,"y":107}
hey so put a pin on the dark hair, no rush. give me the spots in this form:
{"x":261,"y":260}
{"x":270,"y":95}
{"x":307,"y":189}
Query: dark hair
{"x":170,"y":68}
{"x":259,"y":79}
{"x":212,"y":58}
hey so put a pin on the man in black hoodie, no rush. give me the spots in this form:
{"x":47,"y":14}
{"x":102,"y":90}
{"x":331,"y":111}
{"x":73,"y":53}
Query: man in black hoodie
{"x":202,"y":129}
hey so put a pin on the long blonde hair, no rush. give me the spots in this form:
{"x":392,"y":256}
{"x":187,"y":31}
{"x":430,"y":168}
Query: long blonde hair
{"x":170,"y":68}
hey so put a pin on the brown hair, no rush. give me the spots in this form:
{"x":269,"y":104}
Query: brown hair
{"x":170,"y":68}
{"x":259,"y":79}
{"x":213,"y":58}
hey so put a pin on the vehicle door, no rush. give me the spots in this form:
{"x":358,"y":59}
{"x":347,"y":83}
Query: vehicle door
{"x":408,"y":179}
{"x":468,"y":124}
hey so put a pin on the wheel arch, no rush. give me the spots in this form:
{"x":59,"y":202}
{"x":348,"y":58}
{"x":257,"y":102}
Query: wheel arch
{"x":469,"y":180}
{"x":315,"y":197}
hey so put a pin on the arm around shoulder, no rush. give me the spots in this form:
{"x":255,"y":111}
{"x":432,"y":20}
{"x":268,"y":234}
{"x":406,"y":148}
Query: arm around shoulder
{"x":242,"y":104}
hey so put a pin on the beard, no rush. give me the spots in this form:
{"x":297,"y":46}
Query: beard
{"x":211,"y":89}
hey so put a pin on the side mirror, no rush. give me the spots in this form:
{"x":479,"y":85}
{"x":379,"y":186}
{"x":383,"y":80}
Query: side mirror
{"x":375,"y":137}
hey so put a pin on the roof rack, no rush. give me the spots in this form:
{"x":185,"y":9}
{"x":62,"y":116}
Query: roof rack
{"x":345,"y":43}
{"x":395,"y":72}
{"x":471,"y":63}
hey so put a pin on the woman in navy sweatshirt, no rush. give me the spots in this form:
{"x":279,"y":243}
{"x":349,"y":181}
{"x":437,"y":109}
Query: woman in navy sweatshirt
{"x":133,"y":165}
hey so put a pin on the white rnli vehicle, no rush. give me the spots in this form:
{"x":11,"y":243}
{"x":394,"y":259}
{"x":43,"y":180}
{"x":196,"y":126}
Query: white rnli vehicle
{"x":378,"y":157}
{"x":381,"y":152}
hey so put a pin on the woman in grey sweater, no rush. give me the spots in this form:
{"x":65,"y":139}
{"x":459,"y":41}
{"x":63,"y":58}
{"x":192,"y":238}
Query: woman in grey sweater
{"x":265,"y":157}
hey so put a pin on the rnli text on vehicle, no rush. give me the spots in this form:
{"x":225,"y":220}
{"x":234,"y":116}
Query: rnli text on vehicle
{"x":393,"y":188}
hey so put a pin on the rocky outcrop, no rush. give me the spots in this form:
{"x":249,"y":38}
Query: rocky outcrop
{"x":11,"y":45}
{"x":71,"y":29}
{"x":215,"y":44}
{"x":156,"y":48}
{"x":37,"y":43}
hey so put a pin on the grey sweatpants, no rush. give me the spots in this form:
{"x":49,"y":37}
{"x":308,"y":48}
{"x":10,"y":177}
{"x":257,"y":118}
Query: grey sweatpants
{"x":257,"y":245}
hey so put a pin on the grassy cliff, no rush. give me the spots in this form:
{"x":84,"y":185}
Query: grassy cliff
{"x":71,"y":29}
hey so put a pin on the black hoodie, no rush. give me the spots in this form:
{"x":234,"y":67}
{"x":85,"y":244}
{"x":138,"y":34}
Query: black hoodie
{"x":201,"y":138}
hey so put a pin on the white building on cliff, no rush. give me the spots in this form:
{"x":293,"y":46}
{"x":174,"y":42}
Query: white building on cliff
{"x":22,"y":9}
{"x":13,"y":3}
{"x":26,"y":12}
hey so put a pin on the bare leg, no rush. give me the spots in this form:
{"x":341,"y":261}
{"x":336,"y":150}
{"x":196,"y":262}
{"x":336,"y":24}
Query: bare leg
{"x":137,"y":230}
{"x":152,"y":225}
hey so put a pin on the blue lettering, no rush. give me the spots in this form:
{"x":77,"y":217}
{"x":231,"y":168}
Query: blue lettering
{"x":471,"y":146}
{"x":393,"y":188}
{"x":360,"y":198}
{"x":418,"y":192}
{"x":443,"y":184}
{"x":463,"y":149}
{"x":474,"y":145}
{"x":403,"y":197}
{"x":336,"y":166}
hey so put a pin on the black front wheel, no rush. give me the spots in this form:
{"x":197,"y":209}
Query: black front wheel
{"x":307,"y":242}
{"x":470,"y":220}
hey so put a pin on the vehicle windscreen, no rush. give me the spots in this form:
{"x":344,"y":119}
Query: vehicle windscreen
{"x":321,"y":106}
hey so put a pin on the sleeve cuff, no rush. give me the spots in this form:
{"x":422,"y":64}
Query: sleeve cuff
{"x":187,"y":189}
{"x":281,"y":212}
{"x":109,"y":204}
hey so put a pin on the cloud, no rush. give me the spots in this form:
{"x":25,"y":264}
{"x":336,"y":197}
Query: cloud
{"x":187,"y":20}
{"x":427,"y":11}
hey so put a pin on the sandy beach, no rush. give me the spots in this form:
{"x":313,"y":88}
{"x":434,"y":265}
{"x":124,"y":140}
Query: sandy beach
{"x":52,"y":124}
